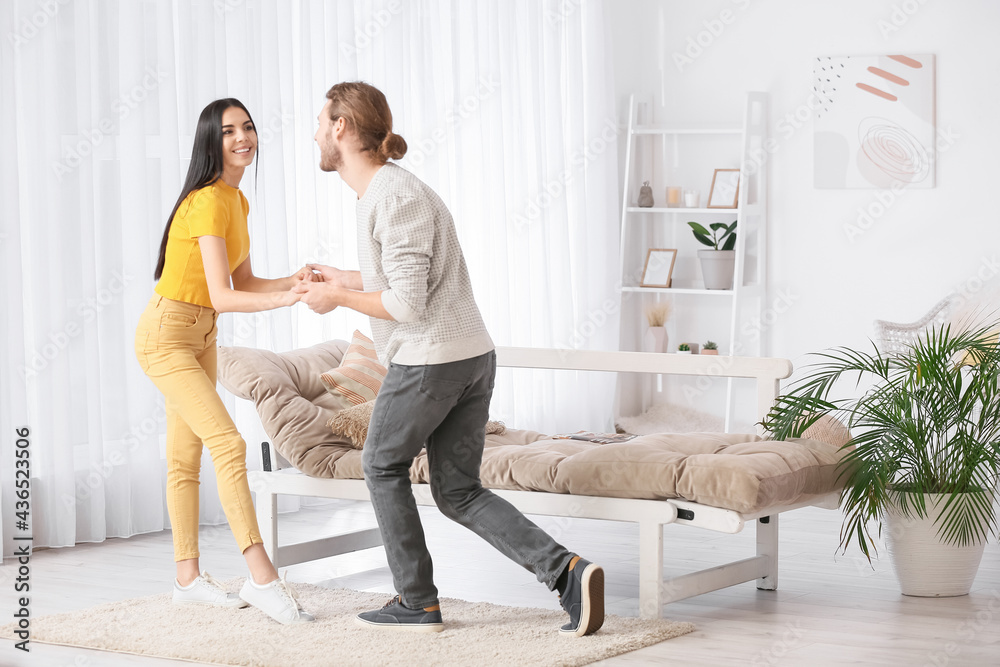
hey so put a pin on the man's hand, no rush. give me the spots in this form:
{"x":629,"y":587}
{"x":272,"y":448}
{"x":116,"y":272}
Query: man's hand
{"x":327,"y":274}
{"x":321,"y":297}
{"x":347,"y":279}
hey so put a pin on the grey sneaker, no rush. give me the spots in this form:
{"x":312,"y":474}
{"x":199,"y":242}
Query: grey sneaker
{"x":206,"y":590}
{"x":584,"y":598}
{"x":394,"y":616}
{"x":276,"y":599}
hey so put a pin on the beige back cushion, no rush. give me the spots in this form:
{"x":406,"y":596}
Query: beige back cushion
{"x":291,"y":399}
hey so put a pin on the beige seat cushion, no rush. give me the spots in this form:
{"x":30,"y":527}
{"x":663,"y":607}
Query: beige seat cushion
{"x":291,"y":399}
{"x":734,"y":471}
{"x":353,"y":423}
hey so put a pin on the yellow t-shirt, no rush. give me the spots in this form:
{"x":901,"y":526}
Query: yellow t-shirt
{"x":215,"y":210}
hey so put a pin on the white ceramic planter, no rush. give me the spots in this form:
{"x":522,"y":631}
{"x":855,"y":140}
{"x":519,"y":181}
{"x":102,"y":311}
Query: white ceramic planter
{"x":926,"y":567}
{"x":717,"y":268}
{"x":655,"y":340}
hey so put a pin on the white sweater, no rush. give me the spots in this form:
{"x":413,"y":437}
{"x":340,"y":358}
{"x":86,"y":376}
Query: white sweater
{"x":408,"y":249}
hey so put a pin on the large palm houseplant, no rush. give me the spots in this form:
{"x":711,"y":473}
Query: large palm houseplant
{"x":924,"y":455}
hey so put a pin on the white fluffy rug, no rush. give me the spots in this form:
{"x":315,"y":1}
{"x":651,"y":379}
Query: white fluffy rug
{"x":475,"y":633}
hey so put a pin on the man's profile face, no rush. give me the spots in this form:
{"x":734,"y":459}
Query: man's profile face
{"x":330,"y":158}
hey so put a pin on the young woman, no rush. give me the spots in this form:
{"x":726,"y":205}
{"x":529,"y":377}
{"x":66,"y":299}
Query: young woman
{"x":203,"y":270}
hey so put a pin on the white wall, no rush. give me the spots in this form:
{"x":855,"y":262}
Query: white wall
{"x":928,"y":242}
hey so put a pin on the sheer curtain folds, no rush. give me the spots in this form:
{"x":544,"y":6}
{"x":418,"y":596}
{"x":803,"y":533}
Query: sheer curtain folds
{"x":508,"y":108}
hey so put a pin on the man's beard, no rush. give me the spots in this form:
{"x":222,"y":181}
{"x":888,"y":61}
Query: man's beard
{"x":330,"y":159}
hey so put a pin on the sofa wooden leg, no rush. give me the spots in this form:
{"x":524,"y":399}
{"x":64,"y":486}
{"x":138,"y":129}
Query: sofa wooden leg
{"x":267,"y":517}
{"x":650,"y":569}
{"x":767,"y":545}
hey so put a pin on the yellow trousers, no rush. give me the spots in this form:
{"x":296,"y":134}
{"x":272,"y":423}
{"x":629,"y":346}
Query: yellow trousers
{"x":175,"y":343}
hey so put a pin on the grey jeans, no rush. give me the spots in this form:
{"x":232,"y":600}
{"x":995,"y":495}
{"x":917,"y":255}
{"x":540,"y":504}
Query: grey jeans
{"x":445,"y":406}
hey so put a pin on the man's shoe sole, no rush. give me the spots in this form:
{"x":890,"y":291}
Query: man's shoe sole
{"x":592,"y":604}
{"x":404,"y":627}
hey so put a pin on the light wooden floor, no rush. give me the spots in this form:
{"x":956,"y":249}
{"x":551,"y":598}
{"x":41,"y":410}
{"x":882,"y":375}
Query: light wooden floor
{"x":829,"y":609}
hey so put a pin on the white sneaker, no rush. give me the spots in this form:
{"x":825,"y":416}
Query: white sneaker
{"x":276,"y":599}
{"x":206,"y":590}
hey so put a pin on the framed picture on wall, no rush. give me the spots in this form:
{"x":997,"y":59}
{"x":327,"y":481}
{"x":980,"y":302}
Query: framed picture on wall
{"x":659,"y":267}
{"x":725,"y":190}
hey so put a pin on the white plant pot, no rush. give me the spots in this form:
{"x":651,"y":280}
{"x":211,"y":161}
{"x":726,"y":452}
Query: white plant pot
{"x":925,"y":566}
{"x":717,"y":268}
{"x":655,"y":340}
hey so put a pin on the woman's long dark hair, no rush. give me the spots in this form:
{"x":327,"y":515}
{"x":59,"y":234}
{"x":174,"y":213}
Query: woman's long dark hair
{"x":206,"y":161}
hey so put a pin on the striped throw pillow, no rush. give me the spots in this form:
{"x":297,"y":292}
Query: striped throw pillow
{"x":359,"y":376}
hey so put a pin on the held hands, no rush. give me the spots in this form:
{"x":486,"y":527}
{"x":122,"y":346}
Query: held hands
{"x":321,"y":297}
{"x":328,"y":274}
{"x":307,"y":274}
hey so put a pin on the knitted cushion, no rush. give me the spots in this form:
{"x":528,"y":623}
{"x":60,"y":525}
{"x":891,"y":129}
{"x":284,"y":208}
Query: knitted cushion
{"x":359,"y":376}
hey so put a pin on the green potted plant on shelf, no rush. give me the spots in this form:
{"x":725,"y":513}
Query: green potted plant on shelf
{"x":924,"y":457}
{"x":684,"y":348}
{"x":718,"y":264}
{"x":710,"y":347}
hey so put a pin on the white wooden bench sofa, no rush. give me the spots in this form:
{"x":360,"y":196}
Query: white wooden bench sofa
{"x":277,"y":478}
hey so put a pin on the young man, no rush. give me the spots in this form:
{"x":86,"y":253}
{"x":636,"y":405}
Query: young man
{"x":415,"y":286}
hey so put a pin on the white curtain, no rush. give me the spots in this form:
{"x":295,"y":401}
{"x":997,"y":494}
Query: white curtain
{"x":508,"y":108}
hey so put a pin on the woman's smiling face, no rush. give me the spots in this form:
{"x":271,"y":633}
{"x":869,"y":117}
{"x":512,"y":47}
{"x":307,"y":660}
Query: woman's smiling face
{"x":239,"y":138}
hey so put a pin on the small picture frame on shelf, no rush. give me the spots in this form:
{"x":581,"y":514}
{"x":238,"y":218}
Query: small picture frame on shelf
{"x":725,"y":191}
{"x":658,"y":268}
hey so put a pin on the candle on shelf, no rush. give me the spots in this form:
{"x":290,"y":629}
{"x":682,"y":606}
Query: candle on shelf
{"x":673,"y":197}
{"x":691,"y":198}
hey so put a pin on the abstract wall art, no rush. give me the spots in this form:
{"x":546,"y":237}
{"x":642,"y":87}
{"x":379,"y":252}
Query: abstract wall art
{"x":874,"y":122}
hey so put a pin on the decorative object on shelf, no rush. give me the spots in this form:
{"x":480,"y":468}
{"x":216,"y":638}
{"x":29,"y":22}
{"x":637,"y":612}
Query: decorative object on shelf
{"x":710,"y":347}
{"x":683,"y":348}
{"x":874,"y":124}
{"x":926,"y":459}
{"x":725,"y":191}
{"x":655,"y":339}
{"x":659,"y":267}
{"x":691,"y":199}
{"x":673,"y":197}
{"x":718,"y":264}
{"x":646,"y":195}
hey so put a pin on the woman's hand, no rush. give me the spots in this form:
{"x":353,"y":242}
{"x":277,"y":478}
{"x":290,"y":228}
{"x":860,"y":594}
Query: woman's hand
{"x":327,"y":274}
{"x":307,"y":274}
